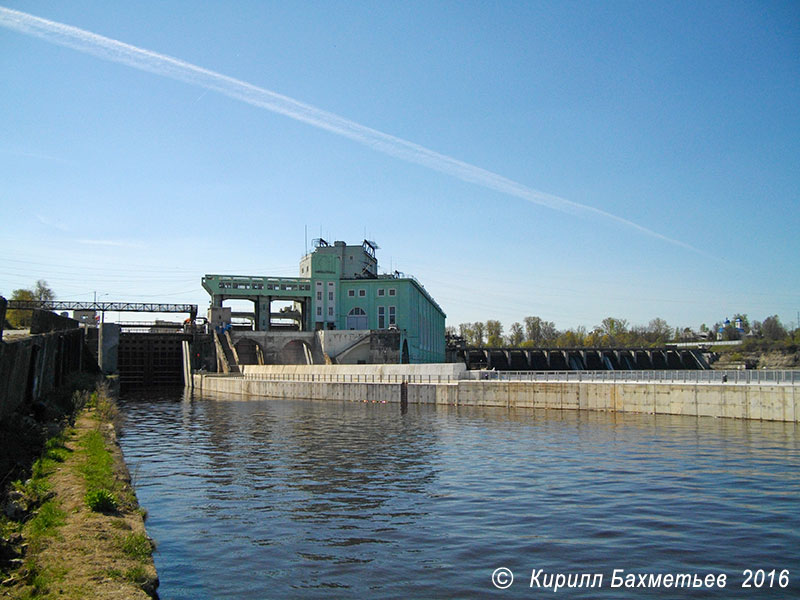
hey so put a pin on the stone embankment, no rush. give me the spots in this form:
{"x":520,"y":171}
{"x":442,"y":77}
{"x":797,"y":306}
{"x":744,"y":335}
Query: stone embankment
{"x":422,"y":384}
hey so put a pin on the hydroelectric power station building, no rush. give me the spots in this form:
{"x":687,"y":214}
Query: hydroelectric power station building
{"x":342,"y":311}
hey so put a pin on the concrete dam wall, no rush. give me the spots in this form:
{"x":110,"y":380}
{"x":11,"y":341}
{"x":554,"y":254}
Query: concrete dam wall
{"x":769,"y":402}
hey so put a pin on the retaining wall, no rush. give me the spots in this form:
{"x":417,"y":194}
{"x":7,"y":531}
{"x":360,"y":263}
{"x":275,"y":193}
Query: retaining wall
{"x":740,"y":401}
{"x":33,"y":366}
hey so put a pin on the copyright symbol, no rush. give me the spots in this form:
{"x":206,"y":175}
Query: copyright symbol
{"x":502,"y":578}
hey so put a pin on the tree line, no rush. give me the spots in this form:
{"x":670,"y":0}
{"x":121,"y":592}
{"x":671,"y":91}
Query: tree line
{"x":535,"y":332}
{"x":21,"y":319}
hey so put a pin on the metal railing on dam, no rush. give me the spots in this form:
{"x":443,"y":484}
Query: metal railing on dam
{"x":349,"y":377}
{"x":766,"y":377}
{"x":763,"y":376}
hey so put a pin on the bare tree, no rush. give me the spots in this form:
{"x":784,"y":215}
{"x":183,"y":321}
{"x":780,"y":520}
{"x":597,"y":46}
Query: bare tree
{"x":43,"y":292}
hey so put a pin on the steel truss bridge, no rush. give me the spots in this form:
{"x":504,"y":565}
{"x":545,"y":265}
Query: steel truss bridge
{"x":142,"y":307}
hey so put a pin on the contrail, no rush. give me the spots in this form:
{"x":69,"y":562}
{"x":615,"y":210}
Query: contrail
{"x":166,"y":66}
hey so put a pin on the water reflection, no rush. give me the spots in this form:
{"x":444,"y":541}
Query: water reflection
{"x":266,"y":498}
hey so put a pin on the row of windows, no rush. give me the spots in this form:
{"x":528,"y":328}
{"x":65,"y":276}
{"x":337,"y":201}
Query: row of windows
{"x":240,"y":286}
{"x":362,"y":292}
{"x":357,"y":317}
{"x":260,"y":286}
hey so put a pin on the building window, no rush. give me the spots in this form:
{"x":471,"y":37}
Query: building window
{"x":392,"y":292}
{"x":362,"y":293}
{"x":381,"y":292}
{"x":392,"y":315}
{"x":357,"y":319}
{"x":351,"y":293}
{"x":330,"y":296}
{"x":319,"y":296}
{"x":319,"y":311}
{"x":381,"y":317}
{"x":330,"y":311}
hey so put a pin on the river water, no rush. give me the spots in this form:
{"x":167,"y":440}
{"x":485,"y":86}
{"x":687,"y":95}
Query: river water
{"x":300,"y":499}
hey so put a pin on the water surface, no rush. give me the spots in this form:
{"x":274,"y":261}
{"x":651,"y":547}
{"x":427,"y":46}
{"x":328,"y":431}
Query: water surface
{"x":301,"y":499}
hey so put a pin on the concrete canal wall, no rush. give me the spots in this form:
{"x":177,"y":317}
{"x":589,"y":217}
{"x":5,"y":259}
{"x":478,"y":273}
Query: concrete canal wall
{"x":35,"y":365}
{"x":769,"y":402}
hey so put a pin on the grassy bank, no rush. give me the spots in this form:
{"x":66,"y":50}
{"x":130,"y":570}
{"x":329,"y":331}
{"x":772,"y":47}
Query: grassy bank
{"x":74,"y":527}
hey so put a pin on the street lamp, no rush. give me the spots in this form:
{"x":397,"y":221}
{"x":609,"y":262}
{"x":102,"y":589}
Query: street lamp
{"x":102,"y":312}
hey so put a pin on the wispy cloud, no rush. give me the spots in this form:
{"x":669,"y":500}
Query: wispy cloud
{"x":36,"y":155}
{"x":50,"y":223}
{"x":114,"y":243}
{"x":160,"y":64}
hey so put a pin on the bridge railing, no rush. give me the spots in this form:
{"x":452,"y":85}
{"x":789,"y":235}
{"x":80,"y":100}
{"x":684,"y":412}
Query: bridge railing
{"x":140,"y":307}
{"x":754,"y":376}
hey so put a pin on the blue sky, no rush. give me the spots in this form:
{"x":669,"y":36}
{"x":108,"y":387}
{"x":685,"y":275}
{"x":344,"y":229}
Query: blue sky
{"x":680,"y":118}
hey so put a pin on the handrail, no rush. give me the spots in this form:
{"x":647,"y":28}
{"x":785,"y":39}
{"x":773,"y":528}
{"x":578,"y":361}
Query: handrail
{"x":764,"y":377}
{"x":754,"y":376}
{"x":350,"y":378}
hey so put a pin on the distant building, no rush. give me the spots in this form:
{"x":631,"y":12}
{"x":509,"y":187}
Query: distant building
{"x":85,"y":316}
{"x":339,"y":288}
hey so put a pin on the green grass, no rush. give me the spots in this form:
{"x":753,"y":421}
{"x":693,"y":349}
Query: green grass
{"x":37,"y":490}
{"x":120,"y":524}
{"x":55,"y":449}
{"x":137,"y":575}
{"x":54,"y":453}
{"x":97,"y":470}
{"x":41,"y":579}
{"x":48,"y":518}
{"x":137,"y":546}
{"x":101,"y":401}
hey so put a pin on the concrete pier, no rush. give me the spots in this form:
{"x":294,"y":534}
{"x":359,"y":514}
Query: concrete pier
{"x":427,"y":385}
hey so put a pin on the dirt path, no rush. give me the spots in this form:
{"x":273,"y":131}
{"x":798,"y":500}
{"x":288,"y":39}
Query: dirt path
{"x":91,"y":555}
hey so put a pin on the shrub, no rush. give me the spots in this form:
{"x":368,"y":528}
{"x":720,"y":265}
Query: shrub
{"x":101,"y":501}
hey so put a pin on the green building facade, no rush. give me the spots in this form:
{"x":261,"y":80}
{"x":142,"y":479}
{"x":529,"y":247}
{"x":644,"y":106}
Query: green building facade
{"x":339,"y":288}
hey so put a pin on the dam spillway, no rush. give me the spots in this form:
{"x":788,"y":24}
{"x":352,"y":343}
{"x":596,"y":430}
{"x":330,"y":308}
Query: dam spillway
{"x":582,"y":359}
